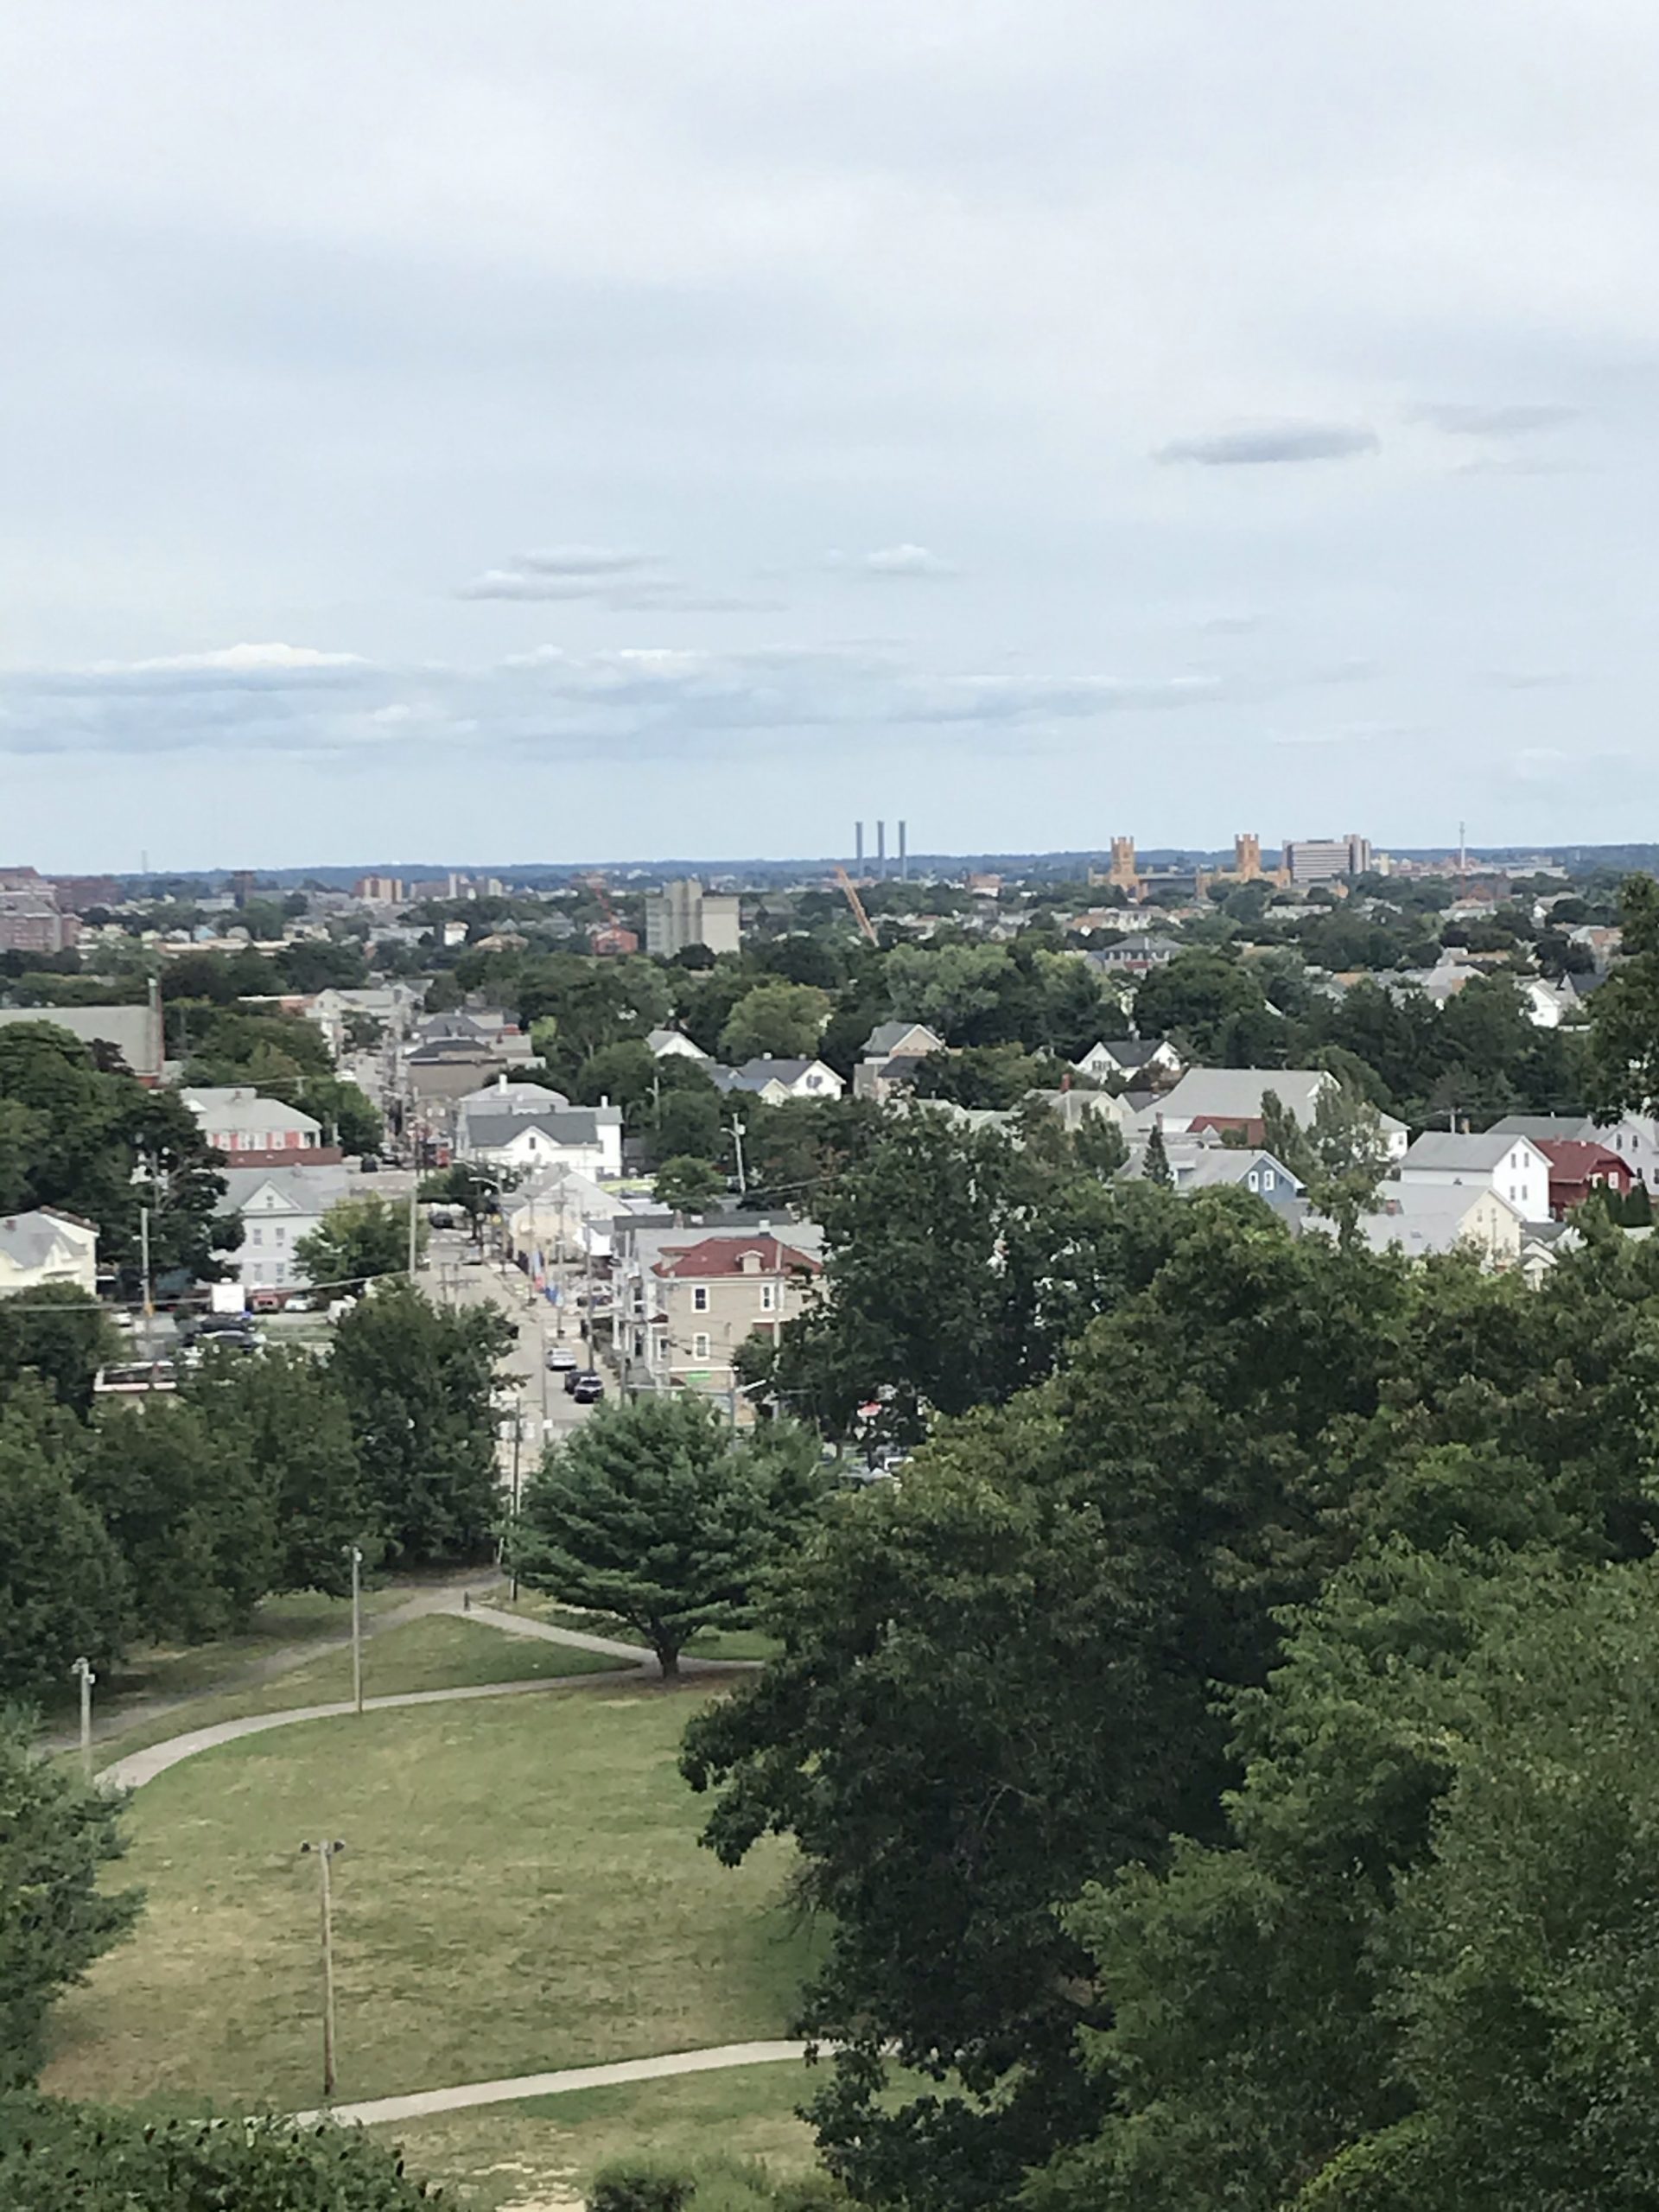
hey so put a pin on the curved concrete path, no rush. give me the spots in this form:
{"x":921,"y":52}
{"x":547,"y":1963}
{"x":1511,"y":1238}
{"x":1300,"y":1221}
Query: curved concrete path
{"x":140,"y":1767}
{"x":426,"y":2102}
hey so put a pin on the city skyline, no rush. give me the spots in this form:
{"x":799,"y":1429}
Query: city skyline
{"x":606,"y":428}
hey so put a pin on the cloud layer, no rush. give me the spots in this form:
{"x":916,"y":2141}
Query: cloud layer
{"x":1144,"y":366}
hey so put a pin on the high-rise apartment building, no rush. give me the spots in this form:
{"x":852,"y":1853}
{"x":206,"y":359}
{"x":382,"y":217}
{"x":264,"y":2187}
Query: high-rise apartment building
{"x":30,"y":917}
{"x":1327,"y":859}
{"x":684,"y":913}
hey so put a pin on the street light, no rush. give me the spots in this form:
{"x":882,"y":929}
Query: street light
{"x":356,"y":1553}
{"x":82,"y":1671}
{"x":326,"y":1852}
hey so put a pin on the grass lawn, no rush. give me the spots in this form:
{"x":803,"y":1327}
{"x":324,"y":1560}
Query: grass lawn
{"x":542,"y":2152}
{"x":299,"y":1617}
{"x":706,"y":1643}
{"x":439,"y":1652}
{"x":522,"y":1889}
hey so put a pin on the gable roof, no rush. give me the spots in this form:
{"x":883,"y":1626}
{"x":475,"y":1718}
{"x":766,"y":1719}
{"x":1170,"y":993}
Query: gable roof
{"x":572,"y":1125}
{"x":724,"y":1255}
{"x":886,"y":1037}
{"x":29,"y":1240}
{"x":1576,"y":1160}
{"x":1478,"y":1154}
{"x":1235,"y":1094}
{"x":300,"y":1190}
{"x":504,"y":1097}
{"x":1421,"y":1218}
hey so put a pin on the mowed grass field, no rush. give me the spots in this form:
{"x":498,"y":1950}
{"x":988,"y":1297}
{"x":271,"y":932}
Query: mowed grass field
{"x":544,"y":2152}
{"x":439,"y":1652}
{"x":522,"y":1890}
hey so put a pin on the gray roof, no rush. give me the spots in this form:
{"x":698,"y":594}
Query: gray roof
{"x":304,"y":1190}
{"x":1132,"y":1051}
{"x":1476,"y":1154}
{"x":244,"y":1112}
{"x":1421,"y":1219}
{"x":512,"y":1098}
{"x":1235,"y":1094}
{"x":28,"y":1240}
{"x":1572,"y":1129}
{"x":887,"y":1036}
{"x":574,"y":1125}
{"x":755,"y":1075}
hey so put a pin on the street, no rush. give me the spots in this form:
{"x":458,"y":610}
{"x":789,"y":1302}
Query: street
{"x":450,"y":1277}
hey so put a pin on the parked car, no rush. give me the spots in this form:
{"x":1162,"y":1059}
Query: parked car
{"x":590,"y":1387}
{"x":572,"y":1375}
{"x":561,"y":1360}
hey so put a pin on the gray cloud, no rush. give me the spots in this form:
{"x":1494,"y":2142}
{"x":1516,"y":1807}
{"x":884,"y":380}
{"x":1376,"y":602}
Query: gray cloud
{"x":1272,"y":443}
{"x":1462,"y":419}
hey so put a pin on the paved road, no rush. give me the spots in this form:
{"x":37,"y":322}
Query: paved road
{"x":449,"y":1277}
{"x":427,"y":2102}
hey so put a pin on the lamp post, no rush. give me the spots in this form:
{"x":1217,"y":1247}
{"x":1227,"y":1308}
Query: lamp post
{"x":326,"y":1852}
{"x":356,"y":1551}
{"x":82,"y":1670}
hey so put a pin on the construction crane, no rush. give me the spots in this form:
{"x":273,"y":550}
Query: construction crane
{"x":857,"y":905}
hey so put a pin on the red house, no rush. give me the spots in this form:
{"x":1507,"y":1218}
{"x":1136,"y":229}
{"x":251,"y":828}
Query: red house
{"x":1577,"y":1167}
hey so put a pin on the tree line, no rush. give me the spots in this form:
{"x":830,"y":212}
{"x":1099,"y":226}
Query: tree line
{"x":168,"y":1520}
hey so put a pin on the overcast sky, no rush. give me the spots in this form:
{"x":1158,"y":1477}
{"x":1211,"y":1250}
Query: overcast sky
{"x":529,"y":430}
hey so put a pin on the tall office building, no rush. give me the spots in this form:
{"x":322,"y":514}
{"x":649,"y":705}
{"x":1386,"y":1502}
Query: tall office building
{"x":1327,"y":859}
{"x":684,"y":913}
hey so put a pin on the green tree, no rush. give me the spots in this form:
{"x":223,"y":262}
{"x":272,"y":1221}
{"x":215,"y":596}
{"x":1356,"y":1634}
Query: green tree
{"x":60,"y":1334}
{"x":63,"y":1589}
{"x":775,"y":1020}
{"x":1193,"y":998}
{"x":1155,"y":1166}
{"x":285,"y":1418}
{"x":652,"y":1512}
{"x":418,"y":1383}
{"x":1622,"y":1073}
{"x":189,"y":1514}
{"x":622,"y":1073}
{"x":348,"y":1117}
{"x":56,"y":1916}
{"x":688,"y":1185}
{"x":53,"y":2155}
{"x":357,"y":1239}
{"x":1348,"y":1154}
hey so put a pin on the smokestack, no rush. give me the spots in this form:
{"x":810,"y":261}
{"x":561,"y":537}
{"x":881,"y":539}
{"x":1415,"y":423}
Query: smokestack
{"x":880,"y":848}
{"x":858,"y":845}
{"x":903,"y":869}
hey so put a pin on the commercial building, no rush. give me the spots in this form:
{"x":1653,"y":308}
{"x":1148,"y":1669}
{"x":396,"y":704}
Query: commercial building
{"x":684,"y":913}
{"x":31,"y":920}
{"x":1327,"y":859}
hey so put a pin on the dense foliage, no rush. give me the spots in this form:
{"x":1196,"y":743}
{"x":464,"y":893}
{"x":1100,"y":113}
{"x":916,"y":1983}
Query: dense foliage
{"x":999,"y":1681}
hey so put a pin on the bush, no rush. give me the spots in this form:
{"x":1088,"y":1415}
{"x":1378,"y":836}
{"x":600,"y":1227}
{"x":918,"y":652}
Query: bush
{"x":639,"y":2189}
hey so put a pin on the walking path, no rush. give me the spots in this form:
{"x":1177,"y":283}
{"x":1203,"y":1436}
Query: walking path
{"x":140,"y":1767}
{"x":428,"y":2102}
{"x":116,"y":1716}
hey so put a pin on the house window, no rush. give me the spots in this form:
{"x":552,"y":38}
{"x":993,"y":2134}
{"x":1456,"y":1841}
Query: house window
{"x":255,"y":1236}
{"x":700,"y":1346}
{"x":1253,"y":1180}
{"x":1269,"y":1178}
{"x":700,"y":1299}
{"x":768,"y":1297}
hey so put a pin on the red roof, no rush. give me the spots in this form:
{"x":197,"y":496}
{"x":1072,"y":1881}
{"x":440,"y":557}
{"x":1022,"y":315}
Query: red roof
{"x":1581,"y":1160}
{"x":724,"y":1255}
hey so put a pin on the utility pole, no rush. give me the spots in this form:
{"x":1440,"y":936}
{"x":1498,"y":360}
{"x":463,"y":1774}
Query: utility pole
{"x":356,"y":1551}
{"x":326,"y":1852}
{"x":736,"y":1127}
{"x":413,"y":1212}
{"x":517,"y":1433}
{"x":143,"y":1268}
{"x":82,"y":1670}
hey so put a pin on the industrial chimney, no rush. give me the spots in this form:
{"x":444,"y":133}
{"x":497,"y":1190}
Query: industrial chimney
{"x":880,"y":848}
{"x":903,"y":869}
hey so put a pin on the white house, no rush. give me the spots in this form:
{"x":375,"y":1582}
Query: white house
{"x":1152,"y":1060}
{"x":278,"y":1208}
{"x":1512,"y":1167}
{"x":775,"y":1080}
{"x":502,"y":1097}
{"x":237,"y":1121}
{"x":673,"y":1043}
{"x":1421,"y":1219}
{"x":586,"y":1138}
{"x":46,"y":1246}
{"x":1231,"y":1098}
